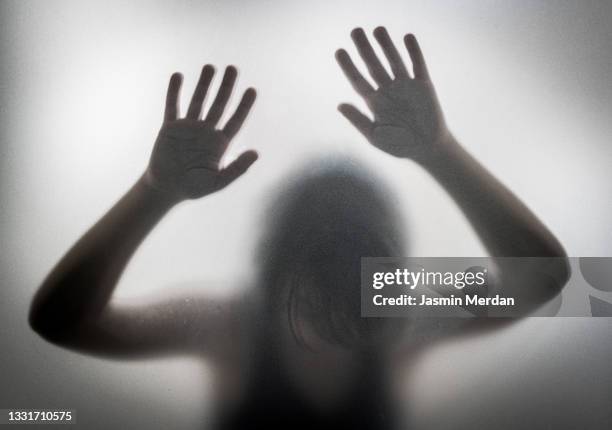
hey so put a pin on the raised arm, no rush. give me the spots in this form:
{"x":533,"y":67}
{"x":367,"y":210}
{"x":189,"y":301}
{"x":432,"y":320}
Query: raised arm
{"x":71,"y":308}
{"x":408,"y":123}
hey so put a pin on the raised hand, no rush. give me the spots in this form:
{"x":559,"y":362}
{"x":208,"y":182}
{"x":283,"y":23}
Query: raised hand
{"x":408,"y":121}
{"x":185,"y":163}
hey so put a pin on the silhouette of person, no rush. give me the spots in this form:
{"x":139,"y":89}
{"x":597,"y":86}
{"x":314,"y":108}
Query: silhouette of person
{"x":293,"y":351}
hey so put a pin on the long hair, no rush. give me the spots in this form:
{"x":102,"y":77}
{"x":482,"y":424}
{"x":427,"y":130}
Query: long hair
{"x":329,"y":215}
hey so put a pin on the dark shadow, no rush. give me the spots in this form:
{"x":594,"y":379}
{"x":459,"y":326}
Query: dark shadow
{"x":333,"y":213}
{"x":294,"y":351}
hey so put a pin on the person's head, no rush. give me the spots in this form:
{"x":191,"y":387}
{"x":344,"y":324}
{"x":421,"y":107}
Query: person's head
{"x":329,"y":215}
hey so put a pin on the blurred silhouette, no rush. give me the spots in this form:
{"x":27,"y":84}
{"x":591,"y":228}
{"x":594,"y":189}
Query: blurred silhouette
{"x":293,"y":351}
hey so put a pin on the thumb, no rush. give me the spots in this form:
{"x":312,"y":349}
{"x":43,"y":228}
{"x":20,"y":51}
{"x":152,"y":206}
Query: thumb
{"x":236,"y":168}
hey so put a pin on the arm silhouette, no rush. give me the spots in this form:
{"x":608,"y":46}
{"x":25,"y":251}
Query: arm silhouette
{"x":72,"y":308}
{"x":408,"y":124}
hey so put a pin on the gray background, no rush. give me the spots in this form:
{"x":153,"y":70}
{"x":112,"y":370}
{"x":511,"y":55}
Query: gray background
{"x":524,"y":85}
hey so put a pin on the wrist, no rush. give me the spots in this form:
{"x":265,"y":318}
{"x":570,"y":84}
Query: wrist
{"x":151,"y":192}
{"x":442,"y":151}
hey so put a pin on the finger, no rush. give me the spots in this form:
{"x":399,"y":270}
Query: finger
{"x":195,"y":107}
{"x":395,"y":60}
{"x":236,"y":120}
{"x":236,"y":168}
{"x":358,"y":119}
{"x":416,"y":56}
{"x":359,"y":83}
{"x":375,"y":67}
{"x":225,"y":90}
{"x":172,"y":97}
